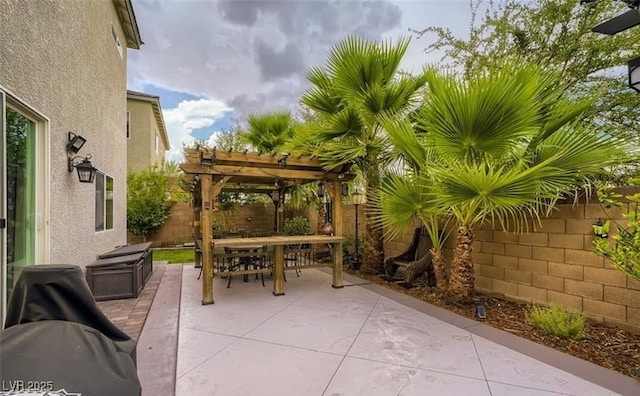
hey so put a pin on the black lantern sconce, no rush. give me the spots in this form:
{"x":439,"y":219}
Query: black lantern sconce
{"x":86,"y":171}
{"x":634,"y":74}
{"x":320,"y":190}
{"x":345,"y":190}
{"x":275,"y":197}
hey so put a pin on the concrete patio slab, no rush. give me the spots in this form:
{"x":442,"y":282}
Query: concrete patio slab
{"x":359,"y":340}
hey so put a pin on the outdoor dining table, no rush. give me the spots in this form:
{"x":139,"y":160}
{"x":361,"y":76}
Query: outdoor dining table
{"x":279,"y":242}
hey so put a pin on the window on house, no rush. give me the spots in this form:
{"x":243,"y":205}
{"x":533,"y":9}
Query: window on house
{"x":104,"y":202}
{"x":128,"y":125}
{"x":157,"y":143}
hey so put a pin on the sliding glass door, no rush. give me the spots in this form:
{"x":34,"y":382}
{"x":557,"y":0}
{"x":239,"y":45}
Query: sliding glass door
{"x":18,"y":177}
{"x":21,"y":211}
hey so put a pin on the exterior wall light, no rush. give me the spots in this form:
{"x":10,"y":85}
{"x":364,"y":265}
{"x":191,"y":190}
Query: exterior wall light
{"x":634,"y":74}
{"x":75,"y":143}
{"x":86,"y":171}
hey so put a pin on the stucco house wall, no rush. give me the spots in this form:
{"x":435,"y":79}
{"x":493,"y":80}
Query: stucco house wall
{"x":61,"y":59}
{"x":145,"y":122}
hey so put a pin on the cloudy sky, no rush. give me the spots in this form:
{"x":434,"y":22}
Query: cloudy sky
{"x":214,"y":62}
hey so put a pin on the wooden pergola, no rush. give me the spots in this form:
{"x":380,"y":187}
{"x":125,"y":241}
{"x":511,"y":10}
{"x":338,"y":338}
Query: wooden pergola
{"x":214,"y":171}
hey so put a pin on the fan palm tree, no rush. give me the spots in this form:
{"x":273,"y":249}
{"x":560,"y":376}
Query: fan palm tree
{"x":269,"y":132}
{"x":359,"y":81}
{"x":502,"y":148}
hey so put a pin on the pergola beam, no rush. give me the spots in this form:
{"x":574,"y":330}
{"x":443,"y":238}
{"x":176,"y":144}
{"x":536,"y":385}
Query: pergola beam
{"x":239,"y":172}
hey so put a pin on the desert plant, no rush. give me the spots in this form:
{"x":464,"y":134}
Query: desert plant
{"x":623,"y":248}
{"x":505,"y":166}
{"x":359,"y":81}
{"x":557,"y":321}
{"x":297,"y":225}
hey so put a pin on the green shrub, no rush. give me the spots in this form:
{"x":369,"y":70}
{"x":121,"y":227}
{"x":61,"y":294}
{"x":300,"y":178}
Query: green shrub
{"x":148,"y":204}
{"x":297,"y":226}
{"x":557,"y":321}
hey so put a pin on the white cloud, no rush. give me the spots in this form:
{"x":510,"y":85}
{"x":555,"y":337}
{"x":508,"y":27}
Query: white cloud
{"x":252,"y":55}
{"x":190,"y":115}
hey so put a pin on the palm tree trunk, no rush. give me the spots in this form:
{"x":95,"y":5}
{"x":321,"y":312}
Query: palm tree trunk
{"x":373,"y":254}
{"x":442,"y":280}
{"x":462,"y":280}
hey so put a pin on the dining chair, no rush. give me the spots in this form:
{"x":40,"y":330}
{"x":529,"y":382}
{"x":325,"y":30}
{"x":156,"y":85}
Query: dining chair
{"x":292,"y":256}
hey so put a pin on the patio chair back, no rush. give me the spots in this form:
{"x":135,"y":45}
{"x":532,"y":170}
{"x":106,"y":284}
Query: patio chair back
{"x":233,"y":234}
{"x":259,"y":233}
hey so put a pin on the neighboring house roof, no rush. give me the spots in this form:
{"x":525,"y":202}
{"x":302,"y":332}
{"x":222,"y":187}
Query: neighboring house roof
{"x":157,"y":111}
{"x":128,"y":21}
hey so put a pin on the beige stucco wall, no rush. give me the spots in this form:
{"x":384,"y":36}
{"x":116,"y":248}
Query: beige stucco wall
{"x":60,"y":58}
{"x":143,"y":127}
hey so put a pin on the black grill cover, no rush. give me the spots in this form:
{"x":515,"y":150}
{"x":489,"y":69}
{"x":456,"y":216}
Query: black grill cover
{"x":73,"y":357}
{"x":54,"y":331}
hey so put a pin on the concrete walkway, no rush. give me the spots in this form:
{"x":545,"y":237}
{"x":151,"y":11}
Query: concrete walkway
{"x":359,"y":340}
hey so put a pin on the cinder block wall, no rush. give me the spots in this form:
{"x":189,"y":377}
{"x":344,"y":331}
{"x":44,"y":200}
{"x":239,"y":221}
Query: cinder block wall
{"x":553,"y":264}
{"x":176,"y":231}
{"x":258,"y":216}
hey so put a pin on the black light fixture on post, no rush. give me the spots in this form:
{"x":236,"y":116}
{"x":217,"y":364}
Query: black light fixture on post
{"x":345,"y":189}
{"x":634,"y":74}
{"x":275,"y":198}
{"x":86,"y":171}
{"x":357,"y":198}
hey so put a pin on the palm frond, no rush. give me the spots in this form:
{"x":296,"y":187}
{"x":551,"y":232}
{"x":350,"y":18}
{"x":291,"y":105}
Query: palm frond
{"x":401,"y":201}
{"x":482,"y":117}
{"x":402,"y":136}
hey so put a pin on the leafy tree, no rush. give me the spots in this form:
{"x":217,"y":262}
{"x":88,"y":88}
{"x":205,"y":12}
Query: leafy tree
{"x":149,"y":201}
{"x":500,"y":148}
{"x":556,"y":34}
{"x":359,"y":81}
{"x":624,"y":252}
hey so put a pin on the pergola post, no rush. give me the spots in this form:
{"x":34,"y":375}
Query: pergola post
{"x":206,"y":213}
{"x":336,"y":221}
{"x":196,"y":231}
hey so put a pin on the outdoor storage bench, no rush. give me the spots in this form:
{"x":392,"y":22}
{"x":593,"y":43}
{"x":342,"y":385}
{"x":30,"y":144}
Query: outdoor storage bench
{"x":120,"y":273}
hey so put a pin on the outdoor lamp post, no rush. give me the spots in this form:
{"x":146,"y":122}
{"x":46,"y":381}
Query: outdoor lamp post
{"x":275,"y":197}
{"x":634,"y":74}
{"x":358,"y":199}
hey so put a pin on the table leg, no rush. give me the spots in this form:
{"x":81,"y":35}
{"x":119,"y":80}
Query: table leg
{"x":337,"y":265}
{"x":278,"y":268}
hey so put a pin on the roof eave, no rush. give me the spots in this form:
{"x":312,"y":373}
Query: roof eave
{"x":127,"y":18}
